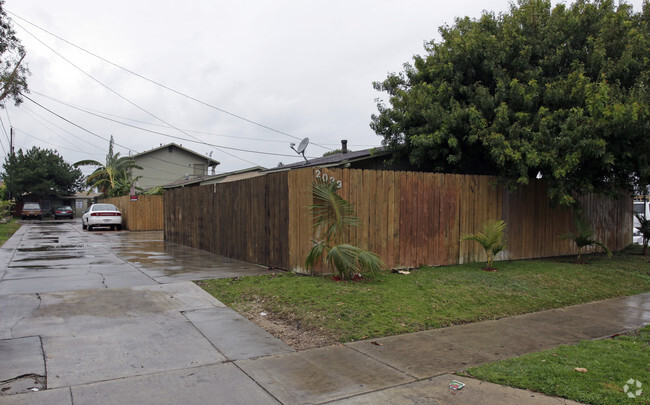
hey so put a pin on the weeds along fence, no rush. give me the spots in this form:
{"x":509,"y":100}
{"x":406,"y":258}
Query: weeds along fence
{"x":145,"y":214}
{"x":408,"y":218}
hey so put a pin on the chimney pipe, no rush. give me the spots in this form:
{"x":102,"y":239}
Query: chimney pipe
{"x":344,"y":146}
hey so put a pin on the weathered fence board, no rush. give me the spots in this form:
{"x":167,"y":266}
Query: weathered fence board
{"x":245,"y":220}
{"x":145,"y":214}
{"x":408,"y":218}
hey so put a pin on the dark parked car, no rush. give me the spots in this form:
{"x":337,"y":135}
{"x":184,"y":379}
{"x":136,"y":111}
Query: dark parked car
{"x":32,"y":210}
{"x":63,"y":212}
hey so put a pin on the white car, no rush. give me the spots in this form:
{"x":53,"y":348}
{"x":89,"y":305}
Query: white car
{"x":106,"y":215}
{"x":643,"y":209}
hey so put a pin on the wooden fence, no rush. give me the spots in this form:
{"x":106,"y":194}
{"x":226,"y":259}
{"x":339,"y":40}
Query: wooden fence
{"x":145,"y":214}
{"x":245,"y":220}
{"x":408,"y":218}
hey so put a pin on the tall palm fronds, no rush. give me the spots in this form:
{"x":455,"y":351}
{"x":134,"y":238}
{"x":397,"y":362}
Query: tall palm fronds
{"x":582,"y":237}
{"x":108,"y":176}
{"x":333,"y":218}
{"x":491,"y":237}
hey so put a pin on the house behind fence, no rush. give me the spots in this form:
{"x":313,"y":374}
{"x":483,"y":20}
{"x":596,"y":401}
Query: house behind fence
{"x":408,"y":218}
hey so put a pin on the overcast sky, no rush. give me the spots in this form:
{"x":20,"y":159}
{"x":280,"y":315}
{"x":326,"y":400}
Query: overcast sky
{"x":291,"y":69}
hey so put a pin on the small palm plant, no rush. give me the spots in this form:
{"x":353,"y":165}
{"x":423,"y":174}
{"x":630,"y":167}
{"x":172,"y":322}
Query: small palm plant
{"x":644,"y":229}
{"x":333,"y":218}
{"x":492,"y":238}
{"x":583,"y":236}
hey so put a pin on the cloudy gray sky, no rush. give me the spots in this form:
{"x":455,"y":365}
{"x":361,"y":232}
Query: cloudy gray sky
{"x":291,"y":69}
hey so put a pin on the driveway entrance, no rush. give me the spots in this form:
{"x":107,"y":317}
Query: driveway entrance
{"x":95,"y":315}
{"x":50,"y":256}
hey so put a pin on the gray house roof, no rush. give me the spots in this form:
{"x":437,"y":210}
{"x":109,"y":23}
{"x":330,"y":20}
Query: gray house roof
{"x":212,"y":161}
{"x":196,"y":180}
{"x":346,"y":159}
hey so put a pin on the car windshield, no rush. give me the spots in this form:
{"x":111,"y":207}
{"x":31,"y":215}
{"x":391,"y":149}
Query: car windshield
{"x":104,"y":207}
{"x":31,"y":206}
{"x":64,"y":209}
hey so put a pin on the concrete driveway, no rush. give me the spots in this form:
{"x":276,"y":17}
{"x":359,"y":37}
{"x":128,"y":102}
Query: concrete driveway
{"x":95,"y":315}
{"x":59,"y":256}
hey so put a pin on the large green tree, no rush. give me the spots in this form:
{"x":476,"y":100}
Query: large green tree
{"x":112,"y":178}
{"x":40,"y":173}
{"x":13,"y":69}
{"x":562,"y":91}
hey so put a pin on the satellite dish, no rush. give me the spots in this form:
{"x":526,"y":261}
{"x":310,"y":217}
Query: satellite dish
{"x":301,"y":147}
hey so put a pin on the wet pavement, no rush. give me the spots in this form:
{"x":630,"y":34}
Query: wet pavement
{"x":109,"y":317}
{"x":58,"y":256}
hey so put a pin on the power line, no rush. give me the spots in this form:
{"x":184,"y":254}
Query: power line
{"x":28,"y":110}
{"x":6,"y":136}
{"x":99,"y":136}
{"x":47,"y":142}
{"x":105,"y":114}
{"x":196,"y":140}
{"x":8,"y":119}
{"x":155,"y":82}
{"x":121,"y":96}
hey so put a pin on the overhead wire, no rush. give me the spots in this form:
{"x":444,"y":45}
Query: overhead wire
{"x":105,"y":114}
{"x":157,"y":83}
{"x":121,"y":96}
{"x":195,"y":140}
{"x":46,"y":142}
{"x":8,"y":119}
{"x":28,"y":110}
{"x":99,"y":136}
{"x":6,"y":136}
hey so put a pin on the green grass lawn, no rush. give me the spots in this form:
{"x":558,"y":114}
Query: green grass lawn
{"x":389,"y":304}
{"x":8,"y":229}
{"x":610,"y":363}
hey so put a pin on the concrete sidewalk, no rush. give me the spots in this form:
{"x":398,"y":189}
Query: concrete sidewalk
{"x":174,"y":343}
{"x":198,"y":351}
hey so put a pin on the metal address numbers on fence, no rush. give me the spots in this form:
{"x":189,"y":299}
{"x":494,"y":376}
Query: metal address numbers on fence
{"x":326,"y":178}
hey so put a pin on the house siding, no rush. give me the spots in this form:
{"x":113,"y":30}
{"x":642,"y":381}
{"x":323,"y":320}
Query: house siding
{"x":166,"y":165}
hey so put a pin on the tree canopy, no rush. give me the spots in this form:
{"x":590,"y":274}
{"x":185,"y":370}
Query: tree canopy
{"x":40,"y":173}
{"x":562,"y":91}
{"x":13,"y":69}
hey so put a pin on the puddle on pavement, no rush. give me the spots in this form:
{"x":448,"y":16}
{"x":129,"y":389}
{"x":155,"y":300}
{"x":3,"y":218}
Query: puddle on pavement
{"x":49,"y":257}
{"x":49,"y":248}
{"x":47,"y":238}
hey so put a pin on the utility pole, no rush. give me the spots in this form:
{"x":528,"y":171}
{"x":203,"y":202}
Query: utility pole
{"x":11,"y":151}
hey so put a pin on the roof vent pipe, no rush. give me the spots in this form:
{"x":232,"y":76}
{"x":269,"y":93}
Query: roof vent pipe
{"x":344,"y":146}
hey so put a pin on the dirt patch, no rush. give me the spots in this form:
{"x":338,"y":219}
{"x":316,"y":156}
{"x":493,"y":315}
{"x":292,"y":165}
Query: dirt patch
{"x":287,"y":328}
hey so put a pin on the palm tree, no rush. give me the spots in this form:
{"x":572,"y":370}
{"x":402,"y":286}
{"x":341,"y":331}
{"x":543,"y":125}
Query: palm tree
{"x":107,"y":177}
{"x":491,"y":237}
{"x":582,"y":236}
{"x":333,"y":217}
